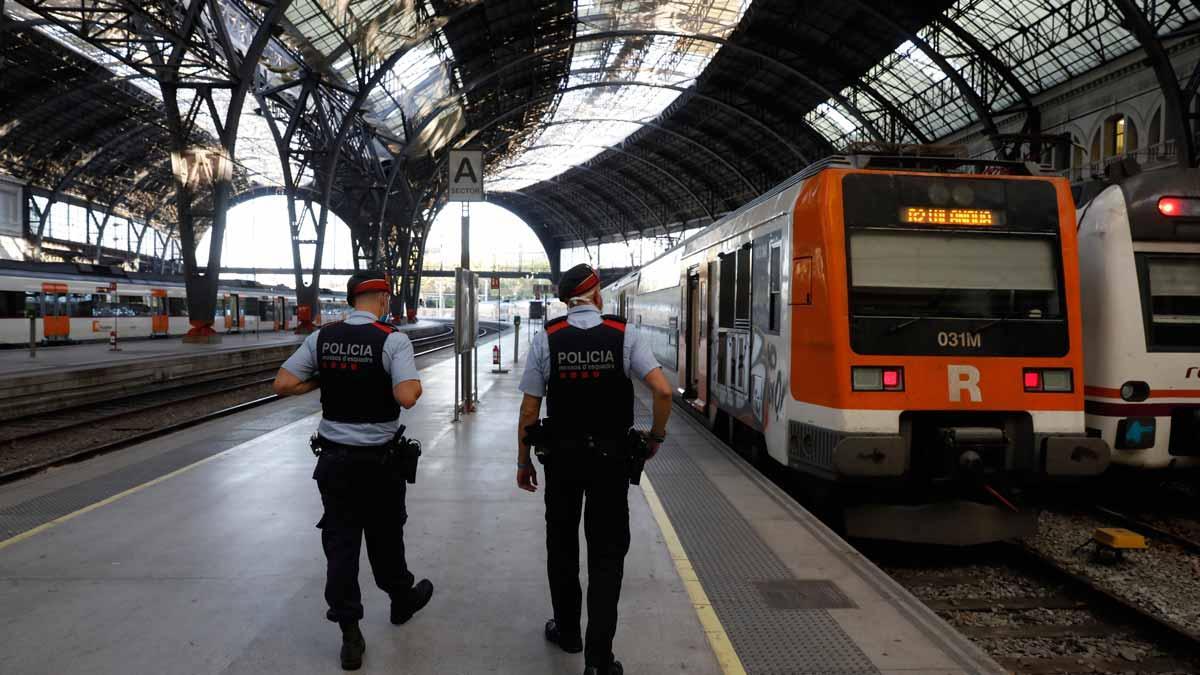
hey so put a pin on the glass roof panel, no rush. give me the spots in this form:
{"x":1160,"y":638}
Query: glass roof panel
{"x":1044,"y":43}
{"x":632,"y":70}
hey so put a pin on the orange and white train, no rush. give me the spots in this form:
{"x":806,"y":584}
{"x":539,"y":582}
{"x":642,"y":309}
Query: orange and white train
{"x":77,"y":303}
{"x":1139,"y":257}
{"x":911,"y":335}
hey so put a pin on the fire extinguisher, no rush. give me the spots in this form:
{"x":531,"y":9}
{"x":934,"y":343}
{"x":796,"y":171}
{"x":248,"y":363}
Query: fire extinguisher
{"x":496,"y":355}
{"x":112,"y":341}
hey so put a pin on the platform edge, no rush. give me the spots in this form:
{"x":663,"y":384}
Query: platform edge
{"x":718,"y":639}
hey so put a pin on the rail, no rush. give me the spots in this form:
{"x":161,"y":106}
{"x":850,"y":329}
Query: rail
{"x":65,"y":436}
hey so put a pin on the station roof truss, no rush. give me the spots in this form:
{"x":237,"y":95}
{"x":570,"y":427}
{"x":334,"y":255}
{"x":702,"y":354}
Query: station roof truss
{"x":74,"y":130}
{"x":600,"y":120}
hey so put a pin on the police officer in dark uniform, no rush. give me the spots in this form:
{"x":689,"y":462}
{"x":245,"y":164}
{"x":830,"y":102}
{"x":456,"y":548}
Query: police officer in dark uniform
{"x":366,"y":372}
{"x":584,"y":364}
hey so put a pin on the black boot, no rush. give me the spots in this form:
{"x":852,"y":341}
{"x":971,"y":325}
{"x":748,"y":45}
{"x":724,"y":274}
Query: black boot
{"x":571,"y":644}
{"x":614,"y":668}
{"x":353,"y":646}
{"x":417,"y":597}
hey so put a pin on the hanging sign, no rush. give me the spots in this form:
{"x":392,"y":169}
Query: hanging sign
{"x":466,"y":175}
{"x":495,"y":283}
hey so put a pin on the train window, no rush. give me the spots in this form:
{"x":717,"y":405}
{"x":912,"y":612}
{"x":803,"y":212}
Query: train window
{"x":742,"y":303}
{"x":774,"y":286}
{"x":12,"y":304}
{"x":725,"y":289}
{"x":955,"y":275}
{"x":87,"y":305}
{"x":33,"y":304}
{"x":177,"y":306}
{"x":1173,"y":295}
{"x":250,"y":306}
{"x":722,"y":359}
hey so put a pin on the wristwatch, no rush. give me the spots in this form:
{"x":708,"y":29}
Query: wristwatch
{"x":656,"y":437}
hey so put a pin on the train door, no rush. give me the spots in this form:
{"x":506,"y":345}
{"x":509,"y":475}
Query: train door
{"x":692,"y":335}
{"x":232,"y":309}
{"x":56,"y":319}
{"x":281,"y":314}
{"x":733,"y":324}
{"x":159,"y":318}
{"x":710,"y":339}
{"x":623,"y":305}
{"x":740,"y":345}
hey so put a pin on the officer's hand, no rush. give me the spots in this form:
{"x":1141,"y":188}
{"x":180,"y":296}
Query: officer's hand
{"x":527,"y":478}
{"x":653,"y":446}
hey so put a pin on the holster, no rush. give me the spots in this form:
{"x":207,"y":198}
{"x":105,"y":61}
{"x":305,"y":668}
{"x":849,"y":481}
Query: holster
{"x":639,"y":450}
{"x":404,"y":453}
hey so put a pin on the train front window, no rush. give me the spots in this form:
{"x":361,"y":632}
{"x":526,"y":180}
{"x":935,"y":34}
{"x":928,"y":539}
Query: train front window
{"x":928,"y":292}
{"x":928,"y":274}
{"x":1171,"y":293}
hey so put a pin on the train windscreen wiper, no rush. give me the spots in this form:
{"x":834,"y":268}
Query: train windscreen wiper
{"x":904,"y":324}
{"x":993,"y":322}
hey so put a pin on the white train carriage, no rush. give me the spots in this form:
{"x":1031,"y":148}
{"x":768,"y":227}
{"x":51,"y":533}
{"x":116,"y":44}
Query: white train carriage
{"x":1139,"y":250}
{"x":79,"y":303}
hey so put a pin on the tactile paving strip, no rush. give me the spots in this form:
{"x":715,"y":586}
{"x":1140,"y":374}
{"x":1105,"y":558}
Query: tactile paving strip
{"x":30,"y":514}
{"x":735,"y":566}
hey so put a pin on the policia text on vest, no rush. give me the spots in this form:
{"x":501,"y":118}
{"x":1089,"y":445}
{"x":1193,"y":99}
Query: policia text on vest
{"x":367,"y":375}
{"x":584,"y":364}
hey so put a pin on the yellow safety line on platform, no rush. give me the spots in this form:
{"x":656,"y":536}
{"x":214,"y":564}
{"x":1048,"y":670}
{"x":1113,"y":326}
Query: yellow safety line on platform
{"x":137,"y":488}
{"x":718,"y":639}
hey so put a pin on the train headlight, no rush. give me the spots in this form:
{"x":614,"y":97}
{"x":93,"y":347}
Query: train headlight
{"x":1135,"y":391}
{"x":877,"y":378}
{"x":1051,"y":380}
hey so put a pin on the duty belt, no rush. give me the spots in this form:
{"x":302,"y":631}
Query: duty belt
{"x":602,"y":444}
{"x":323,"y":447}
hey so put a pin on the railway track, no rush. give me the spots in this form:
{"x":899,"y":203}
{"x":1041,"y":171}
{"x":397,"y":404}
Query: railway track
{"x":1035,"y":616}
{"x":36,"y":442}
{"x":1032,"y":612}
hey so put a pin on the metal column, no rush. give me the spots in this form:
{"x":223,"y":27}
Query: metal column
{"x":468,"y":389}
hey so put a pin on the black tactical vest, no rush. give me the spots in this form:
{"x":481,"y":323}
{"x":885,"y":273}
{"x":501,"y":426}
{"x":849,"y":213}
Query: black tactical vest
{"x":354,"y":386}
{"x":588,"y":392}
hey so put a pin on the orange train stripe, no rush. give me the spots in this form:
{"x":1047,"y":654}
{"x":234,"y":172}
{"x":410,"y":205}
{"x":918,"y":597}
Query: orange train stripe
{"x":1108,"y":392}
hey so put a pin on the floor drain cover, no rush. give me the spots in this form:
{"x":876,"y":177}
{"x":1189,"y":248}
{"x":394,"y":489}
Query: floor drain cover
{"x":803,"y":594}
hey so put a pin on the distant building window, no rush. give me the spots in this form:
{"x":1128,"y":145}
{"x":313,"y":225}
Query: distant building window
{"x":1120,"y":136}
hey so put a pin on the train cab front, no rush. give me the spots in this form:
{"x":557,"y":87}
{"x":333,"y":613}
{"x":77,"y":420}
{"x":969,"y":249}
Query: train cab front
{"x":962,"y":373}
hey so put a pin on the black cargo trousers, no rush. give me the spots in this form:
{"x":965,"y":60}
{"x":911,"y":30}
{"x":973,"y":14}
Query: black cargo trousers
{"x":361,"y":497}
{"x":597,"y":488}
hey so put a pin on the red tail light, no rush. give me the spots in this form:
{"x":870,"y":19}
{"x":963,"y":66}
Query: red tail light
{"x":891,"y":378}
{"x":1033,"y":380}
{"x":1179,"y":207}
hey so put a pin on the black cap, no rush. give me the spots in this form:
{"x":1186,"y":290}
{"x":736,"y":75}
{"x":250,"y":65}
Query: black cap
{"x":366,"y":282}
{"x":576,"y":281}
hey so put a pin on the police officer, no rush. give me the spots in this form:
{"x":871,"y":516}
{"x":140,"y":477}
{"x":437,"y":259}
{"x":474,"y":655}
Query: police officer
{"x":583,"y":364}
{"x":366,"y":373}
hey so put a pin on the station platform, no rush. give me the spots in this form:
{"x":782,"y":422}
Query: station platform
{"x":14,"y":361}
{"x":198,"y":553}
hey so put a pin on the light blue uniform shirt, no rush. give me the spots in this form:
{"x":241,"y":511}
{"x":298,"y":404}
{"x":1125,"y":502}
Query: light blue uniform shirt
{"x":638,"y":359}
{"x":398,"y":361}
